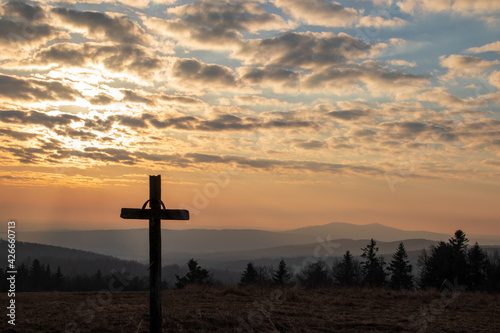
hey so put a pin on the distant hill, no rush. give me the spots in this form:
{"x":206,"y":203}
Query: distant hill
{"x":133,"y":244}
{"x":76,"y":262}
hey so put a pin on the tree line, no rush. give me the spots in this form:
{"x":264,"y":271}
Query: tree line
{"x":453,"y":261}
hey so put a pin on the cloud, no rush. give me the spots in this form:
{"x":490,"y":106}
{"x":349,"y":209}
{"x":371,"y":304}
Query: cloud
{"x":215,"y":24}
{"x":348,"y":115}
{"x":349,"y":78}
{"x":102,"y":26}
{"x":278,"y":79}
{"x":28,"y":89}
{"x":464,"y":7}
{"x":319,"y":12}
{"x":302,"y":50}
{"x":23,"y":27}
{"x":290,"y":165}
{"x":192,"y":72}
{"x":402,"y":63}
{"x":36,"y":118}
{"x":492,"y":47}
{"x":310,"y":144}
{"x":465,"y":66}
{"x":23,"y":11}
{"x":228,"y":122}
{"x":21,"y":136}
{"x":131,"y":3}
{"x":495,"y":79}
{"x":381,"y":22}
{"x":117,"y":58}
{"x":413,"y":130}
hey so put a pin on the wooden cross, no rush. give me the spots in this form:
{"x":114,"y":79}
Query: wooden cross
{"x":154,"y":215}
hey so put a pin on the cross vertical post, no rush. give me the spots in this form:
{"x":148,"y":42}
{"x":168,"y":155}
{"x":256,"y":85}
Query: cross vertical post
{"x":155,"y":255}
{"x":155,"y":214}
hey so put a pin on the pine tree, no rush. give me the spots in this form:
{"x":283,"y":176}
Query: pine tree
{"x":249,"y":276}
{"x":459,"y":264}
{"x":436,"y":267}
{"x":315,"y":275}
{"x":479,"y":266}
{"x":195,"y":275}
{"x":36,"y":276}
{"x":58,"y":279}
{"x":346,"y":272}
{"x":401,"y":277}
{"x":282,"y":275}
{"x":373,"y":267}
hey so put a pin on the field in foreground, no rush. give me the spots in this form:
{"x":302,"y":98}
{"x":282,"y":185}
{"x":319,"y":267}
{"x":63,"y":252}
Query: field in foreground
{"x":258,"y":310}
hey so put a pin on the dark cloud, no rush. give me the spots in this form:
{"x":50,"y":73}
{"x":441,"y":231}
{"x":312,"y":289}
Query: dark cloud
{"x":25,"y":155}
{"x":271,"y":76}
{"x":101,"y":99}
{"x":348,"y":114}
{"x":269,"y":164}
{"x":119,"y":58}
{"x":21,"y":136}
{"x":103,"y":26}
{"x":370,"y":74}
{"x":28,"y":89}
{"x":180,"y":99}
{"x":303,"y":50}
{"x":15,"y":33}
{"x":409,"y":130}
{"x":133,"y":97}
{"x":182,"y":123}
{"x":23,"y":11}
{"x":37,"y":118}
{"x":311,"y":144}
{"x":364,"y":133}
{"x":215,"y":24}
{"x":192,"y":71}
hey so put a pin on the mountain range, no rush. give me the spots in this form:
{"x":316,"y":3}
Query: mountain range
{"x":233,"y":244}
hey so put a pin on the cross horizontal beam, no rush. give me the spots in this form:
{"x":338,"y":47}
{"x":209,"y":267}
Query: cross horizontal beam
{"x":162,"y":214}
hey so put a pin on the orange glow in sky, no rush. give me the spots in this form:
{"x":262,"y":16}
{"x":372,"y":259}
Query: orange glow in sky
{"x":268,"y":115}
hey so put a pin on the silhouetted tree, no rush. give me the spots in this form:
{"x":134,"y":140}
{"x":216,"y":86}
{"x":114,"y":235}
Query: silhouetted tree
{"x":479,"y":266}
{"x":195,"y":275}
{"x":315,"y":275}
{"x":22,"y":278}
{"x":493,"y":281}
{"x":436,"y":266}
{"x":347,"y":271}
{"x":401,"y":270}
{"x":36,"y":276}
{"x":249,"y":275}
{"x":282,"y":275}
{"x":446,"y":261}
{"x":373,"y":266}
{"x":459,"y":264}
{"x":58,"y":279}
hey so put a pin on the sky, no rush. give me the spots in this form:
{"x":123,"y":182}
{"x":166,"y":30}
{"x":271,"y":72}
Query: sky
{"x":258,"y":114}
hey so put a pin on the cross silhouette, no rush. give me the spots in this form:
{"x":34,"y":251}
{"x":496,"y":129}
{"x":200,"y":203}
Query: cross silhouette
{"x":155,"y":214}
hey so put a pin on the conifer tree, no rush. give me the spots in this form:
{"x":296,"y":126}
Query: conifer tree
{"x":282,"y":275}
{"x":249,"y":276}
{"x":195,"y":275}
{"x":347,"y":271}
{"x":315,"y":275}
{"x":373,"y":267}
{"x":401,"y":269}
{"x":58,"y":279}
{"x":479,"y":267}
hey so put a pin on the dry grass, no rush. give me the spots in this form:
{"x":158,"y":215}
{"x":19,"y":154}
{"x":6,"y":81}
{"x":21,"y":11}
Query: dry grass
{"x":231,"y":309}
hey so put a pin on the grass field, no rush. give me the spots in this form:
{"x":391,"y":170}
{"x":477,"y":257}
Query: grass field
{"x":228,"y":309}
